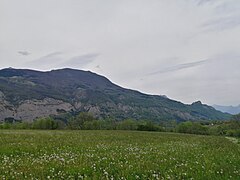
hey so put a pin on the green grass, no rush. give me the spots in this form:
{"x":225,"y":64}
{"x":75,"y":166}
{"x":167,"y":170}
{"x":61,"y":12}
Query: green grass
{"x":116,"y":155}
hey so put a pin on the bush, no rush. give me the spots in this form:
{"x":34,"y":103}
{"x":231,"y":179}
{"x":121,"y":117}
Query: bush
{"x":5,"y":126}
{"x":92,"y":125}
{"x":79,"y":121}
{"x":192,"y":128}
{"x":127,"y":124}
{"x":149,"y":126}
{"x":21,"y":125}
{"x":45,"y":123}
{"x":233,"y":133}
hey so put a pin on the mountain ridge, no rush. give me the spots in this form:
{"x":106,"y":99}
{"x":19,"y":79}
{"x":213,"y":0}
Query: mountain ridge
{"x":72,"y":90}
{"x":228,"y":109}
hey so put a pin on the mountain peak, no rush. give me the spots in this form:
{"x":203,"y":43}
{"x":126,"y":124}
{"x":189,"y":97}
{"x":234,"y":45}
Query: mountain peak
{"x":197,"y":103}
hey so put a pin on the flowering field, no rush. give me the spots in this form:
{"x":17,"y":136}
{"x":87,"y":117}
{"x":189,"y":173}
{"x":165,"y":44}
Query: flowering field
{"x":116,"y":155}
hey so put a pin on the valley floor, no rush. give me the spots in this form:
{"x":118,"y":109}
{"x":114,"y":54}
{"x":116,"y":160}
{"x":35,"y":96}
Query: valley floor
{"x":32,"y":154}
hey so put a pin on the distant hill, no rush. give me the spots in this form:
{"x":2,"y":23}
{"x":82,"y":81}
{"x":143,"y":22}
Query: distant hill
{"x":28,"y":94}
{"x":228,"y":109}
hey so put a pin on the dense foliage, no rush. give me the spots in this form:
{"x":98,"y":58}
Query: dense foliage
{"x":83,"y":121}
{"x":192,"y":128}
{"x":86,"y":121}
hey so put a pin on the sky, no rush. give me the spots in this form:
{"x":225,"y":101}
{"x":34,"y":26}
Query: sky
{"x":188,"y":50}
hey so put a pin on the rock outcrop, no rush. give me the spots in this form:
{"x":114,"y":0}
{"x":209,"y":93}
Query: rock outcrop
{"x":29,"y":110}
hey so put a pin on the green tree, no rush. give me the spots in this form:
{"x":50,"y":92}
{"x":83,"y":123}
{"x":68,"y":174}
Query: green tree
{"x":79,"y":121}
{"x":192,"y":128}
{"x":149,"y":126}
{"x":128,"y":124}
{"x":45,"y":123}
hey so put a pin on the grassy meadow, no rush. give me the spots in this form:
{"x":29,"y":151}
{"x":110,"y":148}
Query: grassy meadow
{"x":32,"y":154}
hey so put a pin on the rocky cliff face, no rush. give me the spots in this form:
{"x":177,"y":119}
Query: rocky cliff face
{"x":29,"y":110}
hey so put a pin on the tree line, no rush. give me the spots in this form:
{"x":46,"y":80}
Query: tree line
{"x":85,"y":121}
{"x":82,"y":121}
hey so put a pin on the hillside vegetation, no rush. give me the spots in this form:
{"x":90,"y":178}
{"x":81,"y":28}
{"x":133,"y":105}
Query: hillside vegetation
{"x":28,"y":94}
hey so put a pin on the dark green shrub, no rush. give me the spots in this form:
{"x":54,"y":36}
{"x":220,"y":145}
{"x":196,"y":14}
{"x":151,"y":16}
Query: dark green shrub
{"x":127,"y":124}
{"x":192,"y":128}
{"x":149,"y":126}
{"x":79,"y":121}
{"x":45,"y":123}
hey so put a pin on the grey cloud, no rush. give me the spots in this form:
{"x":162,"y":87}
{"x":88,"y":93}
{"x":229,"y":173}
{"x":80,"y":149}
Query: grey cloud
{"x":80,"y":61}
{"x":179,"y":67}
{"x":24,"y":53}
{"x":46,"y":61}
{"x":51,"y":55}
{"x":221,"y":24}
{"x":60,"y":59}
{"x":202,"y":2}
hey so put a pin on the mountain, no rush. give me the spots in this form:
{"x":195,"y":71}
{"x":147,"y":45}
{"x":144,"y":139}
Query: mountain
{"x":28,"y":94}
{"x":228,"y":109}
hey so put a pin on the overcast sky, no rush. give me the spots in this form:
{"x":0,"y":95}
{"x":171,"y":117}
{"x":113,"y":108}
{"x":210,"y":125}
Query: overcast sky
{"x":188,"y":50}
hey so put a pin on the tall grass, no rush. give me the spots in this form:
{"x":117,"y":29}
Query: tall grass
{"x":28,"y":154}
